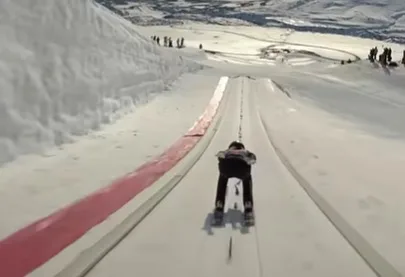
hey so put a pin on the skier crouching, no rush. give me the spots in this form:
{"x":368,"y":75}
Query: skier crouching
{"x":235,"y":162}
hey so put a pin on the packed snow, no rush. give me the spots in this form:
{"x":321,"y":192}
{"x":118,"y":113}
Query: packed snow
{"x":357,"y":166}
{"x":67,"y":67}
{"x":66,"y":174}
{"x":74,"y":71}
{"x":255,"y":45}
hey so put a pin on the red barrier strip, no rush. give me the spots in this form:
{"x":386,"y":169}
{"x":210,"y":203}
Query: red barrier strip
{"x":30,"y":247}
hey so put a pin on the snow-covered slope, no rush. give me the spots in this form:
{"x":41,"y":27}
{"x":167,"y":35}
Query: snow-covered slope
{"x":340,"y":125}
{"x":377,"y":19}
{"x":67,"y":67}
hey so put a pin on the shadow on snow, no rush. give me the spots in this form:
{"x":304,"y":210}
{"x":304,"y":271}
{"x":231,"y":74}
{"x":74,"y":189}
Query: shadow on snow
{"x":232,"y":217}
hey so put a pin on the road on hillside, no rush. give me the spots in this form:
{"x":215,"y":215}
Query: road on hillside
{"x":292,"y":237}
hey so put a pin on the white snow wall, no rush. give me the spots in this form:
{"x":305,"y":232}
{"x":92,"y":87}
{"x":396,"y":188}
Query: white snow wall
{"x":68,"y":66}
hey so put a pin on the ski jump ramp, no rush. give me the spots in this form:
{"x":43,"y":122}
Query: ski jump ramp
{"x":170,"y":234}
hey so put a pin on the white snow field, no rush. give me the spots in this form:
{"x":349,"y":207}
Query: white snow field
{"x":330,"y":141}
{"x":326,"y":211}
{"x":67,"y":67}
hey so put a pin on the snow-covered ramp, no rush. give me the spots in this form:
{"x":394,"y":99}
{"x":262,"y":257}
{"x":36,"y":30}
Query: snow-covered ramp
{"x":292,"y":236}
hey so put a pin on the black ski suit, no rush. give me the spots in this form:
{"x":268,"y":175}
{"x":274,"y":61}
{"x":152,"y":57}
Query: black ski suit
{"x":234,"y":163}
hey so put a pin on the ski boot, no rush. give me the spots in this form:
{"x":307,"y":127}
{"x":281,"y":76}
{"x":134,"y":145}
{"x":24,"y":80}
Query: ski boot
{"x":218,"y":213}
{"x":248,"y":215}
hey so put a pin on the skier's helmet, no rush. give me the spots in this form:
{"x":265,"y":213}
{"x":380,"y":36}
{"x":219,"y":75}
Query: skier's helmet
{"x":237,"y":145}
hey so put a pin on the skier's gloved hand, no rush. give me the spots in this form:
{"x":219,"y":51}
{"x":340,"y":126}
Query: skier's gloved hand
{"x":220,"y":155}
{"x":252,"y":158}
{"x":251,"y":162}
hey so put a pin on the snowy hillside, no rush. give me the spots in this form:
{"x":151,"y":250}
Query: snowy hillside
{"x":67,"y":67}
{"x":378,"y":19}
{"x":325,"y":122}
